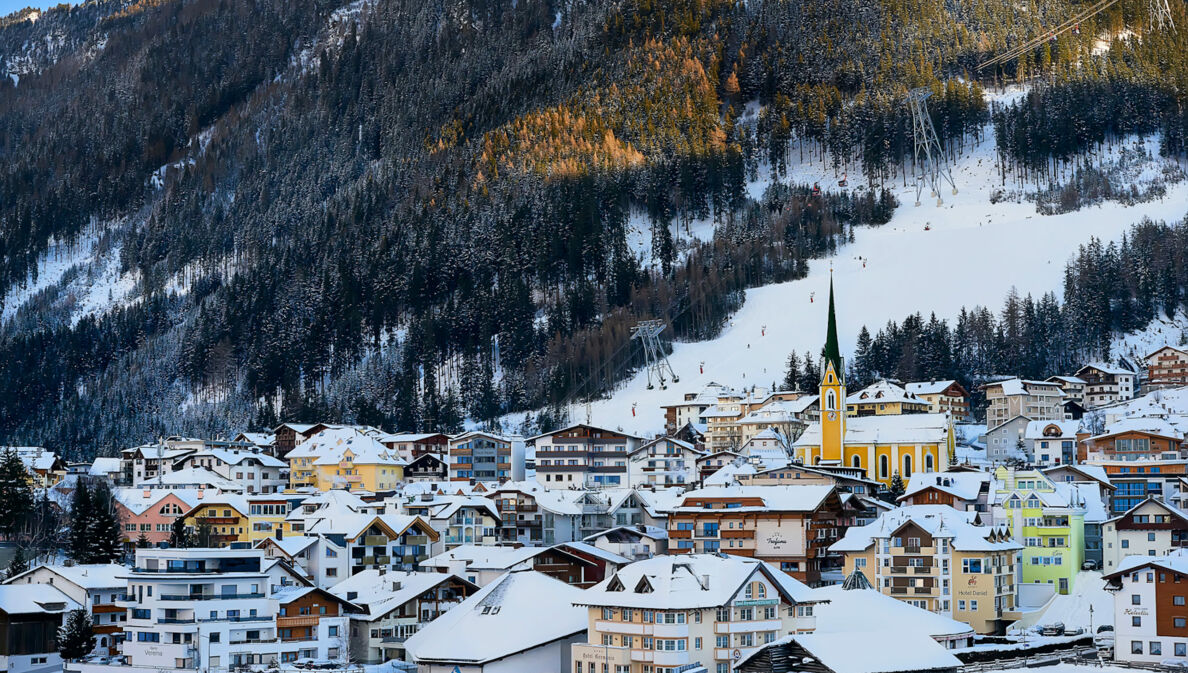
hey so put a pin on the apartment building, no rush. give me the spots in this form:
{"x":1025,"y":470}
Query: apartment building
{"x":342,"y":457}
{"x":220,"y":520}
{"x":410,"y":446}
{"x":583,"y":456}
{"x":939,"y":559}
{"x":201,"y":609}
{"x":672,"y":613}
{"x":1034,"y":400}
{"x":1167,"y":366}
{"x":151,"y":511}
{"x":96,"y":587}
{"x":1106,"y":384}
{"x":943,"y":397}
{"x":963,"y":491}
{"x":1150,"y":528}
{"x":664,"y":461}
{"x":458,"y":519}
{"x":690,"y":409}
{"x":1142,"y":456}
{"x":43,"y":466}
{"x":1072,"y":387}
{"x":480,"y":456}
{"x":1151,"y":608}
{"x":1048,"y":520}
{"x":394,"y":606}
{"x":363,"y":540}
{"x":287,"y":436}
{"x":788,"y":526}
{"x":257,"y":472}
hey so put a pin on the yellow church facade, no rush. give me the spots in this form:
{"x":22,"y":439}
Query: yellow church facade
{"x":881,"y":445}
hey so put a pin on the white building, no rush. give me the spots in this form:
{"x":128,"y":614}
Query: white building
{"x":258,"y":472}
{"x":1106,"y":384}
{"x":671,"y":612}
{"x":1051,"y":443}
{"x":665,"y":461}
{"x":35,"y":613}
{"x":1150,"y":615}
{"x":96,"y":587}
{"x":524,"y":622}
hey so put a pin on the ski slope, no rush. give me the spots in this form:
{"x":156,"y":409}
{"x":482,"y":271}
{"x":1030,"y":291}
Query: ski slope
{"x":929,"y":259}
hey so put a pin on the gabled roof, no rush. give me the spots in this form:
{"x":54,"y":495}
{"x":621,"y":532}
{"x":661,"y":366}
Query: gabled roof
{"x":845,"y":611}
{"x":378,"y":593}
{"x":582,"y":425}
{"x":1167,"y":507}
{"x":961,"y":485}
{"x":1066,"y":429}
{"x":329,"y":446}
{"x":24,"y":599}
{"x":290,"y":546}
{"x":884,"y":392}
{"x":1106,"y":368}
{"x":1148,"y":356}
{"x":1093,"y":472}
{"x":480,"y":557}
{"x":135,"y":501}
{"x":1176,"y":561}
{"x":938,"y":521}
{"x":881,"y":651}
{"x":798,"y":498}
{"x":931,"y":387}
{"x":689,"y":581}
{"x":519,"y":611}
{"x":673,"y":440}
{"x":85,"y":575}
{"x":1159,"y":427}
{"x":354,"y":524}
{"x":630,"y":533}
{"x":890,"y":429}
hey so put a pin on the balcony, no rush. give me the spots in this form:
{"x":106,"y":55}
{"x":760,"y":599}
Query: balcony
{"x":207,"y":597}
{"x":253,"y":641}
{"x":297,"y":621}
{"x":922,"y":570}
{"x":898,"y":570}
{"x":923,"y":590}
{"x":416,"y":540}
{"x":175,"y":620}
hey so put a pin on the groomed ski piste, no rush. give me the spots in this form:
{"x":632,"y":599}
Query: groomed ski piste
{"x":928,"y":259}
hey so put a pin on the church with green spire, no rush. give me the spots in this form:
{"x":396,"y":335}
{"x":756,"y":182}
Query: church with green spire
{"x":881,"y":445}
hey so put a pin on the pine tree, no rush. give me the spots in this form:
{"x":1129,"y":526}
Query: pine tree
{"x":792,"y":376}
{"x":897,"y":488}
{"x":104,"y":533}
{"x":142,"y":542}
{"x":76,"y":639}
{"x":16,"y":494}
{"x":179,"y":537}
{"x":17,"y":565}
{"x":78,"y":542}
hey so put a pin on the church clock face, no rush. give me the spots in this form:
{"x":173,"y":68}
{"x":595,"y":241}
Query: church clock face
{"x":833,"y":415}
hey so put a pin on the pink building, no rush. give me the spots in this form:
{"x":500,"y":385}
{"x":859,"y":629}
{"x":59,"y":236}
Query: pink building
{"x":151,"y":511}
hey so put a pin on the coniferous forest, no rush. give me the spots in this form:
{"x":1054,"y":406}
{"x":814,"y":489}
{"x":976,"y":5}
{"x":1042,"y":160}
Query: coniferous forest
{"x":407,"y":212}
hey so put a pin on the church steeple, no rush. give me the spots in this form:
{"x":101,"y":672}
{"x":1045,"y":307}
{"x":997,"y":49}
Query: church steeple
{"x":832,"y":351}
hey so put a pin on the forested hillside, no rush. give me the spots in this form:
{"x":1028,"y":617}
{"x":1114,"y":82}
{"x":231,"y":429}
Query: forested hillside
{"x":409,"y":211}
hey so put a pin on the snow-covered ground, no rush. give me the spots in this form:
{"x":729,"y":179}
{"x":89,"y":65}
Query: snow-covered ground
{"x":929,"y":259}
{"x":1073,"y":610}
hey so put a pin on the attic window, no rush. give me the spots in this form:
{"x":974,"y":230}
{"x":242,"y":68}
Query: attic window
{"x":615,"y":584}
{"x":644,"y":586}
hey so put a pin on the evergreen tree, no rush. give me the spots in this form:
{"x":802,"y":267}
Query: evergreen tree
{"x":78,"y":542}
{"x":17,"y":565}
{"x":179,"y":536}
{"x":142,"y":542}
{"x":16,"y":494}
{"x":76,"y":639}
{"x":105,"y":534}
{"x":811,"y":380}
{"x":792,"y":375}
{"x":897,"y":487}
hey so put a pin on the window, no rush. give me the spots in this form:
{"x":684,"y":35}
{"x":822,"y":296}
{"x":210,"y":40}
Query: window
{"x":883,"y":467}
{"x":1136,"y":621}
{"x":1180,"y":622}
{"x":1181,"y":649}
{"x":1177,"y":600}
{"x":1136,"y":599}
{"x":1156,"y":648}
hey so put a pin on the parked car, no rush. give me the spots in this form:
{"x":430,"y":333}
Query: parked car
{"x":1089,"y":565}
{"x":1073,"y":631}
{"x":1054,"y":629}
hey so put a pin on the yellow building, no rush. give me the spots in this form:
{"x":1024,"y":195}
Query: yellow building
{"x":881,"y":445}
{"x":938,"y":559}
{"x":266,"y":514}
{"x":343,"y":457}
{"x":224,"y":516}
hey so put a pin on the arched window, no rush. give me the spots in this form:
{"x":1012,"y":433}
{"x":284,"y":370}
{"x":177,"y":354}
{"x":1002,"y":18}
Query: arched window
{"x":883,"y":466}
{"x":856,"y":461}
{"x":907,"y":466}
{"x":830,"y":400}
{"x":928,"y":466}
{"x":817,"y":460}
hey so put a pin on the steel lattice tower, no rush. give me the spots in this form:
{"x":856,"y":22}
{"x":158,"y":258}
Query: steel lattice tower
{"x":931,"y":167}
{"x":648,"y":333}
{"x":1160,"y":15}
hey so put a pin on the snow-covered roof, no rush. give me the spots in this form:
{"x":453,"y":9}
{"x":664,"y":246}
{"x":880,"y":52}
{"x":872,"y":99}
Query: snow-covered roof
{"x":24,"y":599}
{"x":938,"y":521}
{"x":668,"y":440}
{"x":890,"y":429}
{"x":1151,"y":425}
{"x":36,"y":457}
{"x":928,"y":387}
{"x":353,"y":524}
{"x":850,"y":610}
{"x":479,"y":557}
{"x":135,"y":500}
{"x":328,"y":446}
{"x":1176,"y":561}
{"x":258,"y":438}
{"x":962,"y":485}
{"x":878,"y":651}
{"x":197,"y":476}
{"x":591,"y":550}
{"x":1067,"y":428}
{"x":378,"y":593}
{"x":884,"y":392}
{"x":1018,"y":386}
{"x":235,"y":457}
{"x":631,"y":532}
{"x":103,"y":466}
{"x":792,"y":498}
{"x":1074,"y":380}
{"x":1106,"y":368}
{"x":688,"y":581}
{"x":518,"y":611}
{"x":86,"y":575}
{"x":291,"y":546}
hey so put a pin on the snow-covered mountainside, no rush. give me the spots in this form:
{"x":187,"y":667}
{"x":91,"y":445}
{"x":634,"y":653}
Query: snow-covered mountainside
{"x":968,"y":252}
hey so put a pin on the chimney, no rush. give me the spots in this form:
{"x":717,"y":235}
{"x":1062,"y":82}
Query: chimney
{"x":705,"y":582}
{"x":201,"y":492}
{"x":396,"y":586}
{"x":148,"y":493}
{"x":280,"y":533}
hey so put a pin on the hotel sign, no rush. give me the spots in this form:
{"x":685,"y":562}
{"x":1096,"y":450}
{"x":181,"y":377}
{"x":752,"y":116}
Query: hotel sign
{"x":761,"y":601}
